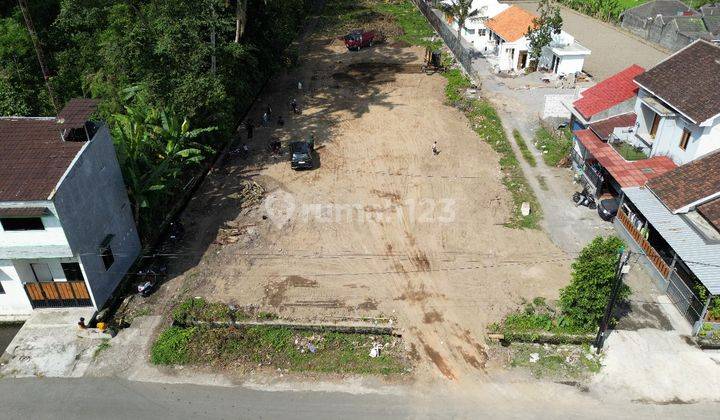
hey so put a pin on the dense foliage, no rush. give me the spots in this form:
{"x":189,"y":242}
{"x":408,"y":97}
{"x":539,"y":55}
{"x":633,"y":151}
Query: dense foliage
{"x":583,"y":301}
{"x":157,"y":66}
{"x":607,"y":10}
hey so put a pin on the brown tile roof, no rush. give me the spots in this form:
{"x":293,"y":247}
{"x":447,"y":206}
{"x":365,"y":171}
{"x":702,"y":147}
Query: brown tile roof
{"x":604,"y":128}
{"x":711,"y":212}
{"x":23,"y":211}
{"x":688,"y":183}
{"x":33,"y":156}
{"x":688,"y":80}
{"x":76,"y":112}
{"x":512,"y":24}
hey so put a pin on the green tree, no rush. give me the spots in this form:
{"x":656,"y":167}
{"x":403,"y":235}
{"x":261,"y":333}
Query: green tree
{"x":462,"y":11}
{"x":540,"y":33}
{"x":583,"y":301}
{"x":153,"y":147}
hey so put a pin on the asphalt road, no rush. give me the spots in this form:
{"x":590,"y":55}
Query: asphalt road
{"x":111,"y":398}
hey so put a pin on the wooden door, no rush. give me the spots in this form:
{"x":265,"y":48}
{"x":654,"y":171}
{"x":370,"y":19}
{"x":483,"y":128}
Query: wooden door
{"x":655,"y":125}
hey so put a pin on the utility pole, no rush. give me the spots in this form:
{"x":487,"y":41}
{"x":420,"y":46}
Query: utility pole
{"x":38,"y":51}
{"x":622,"y":260}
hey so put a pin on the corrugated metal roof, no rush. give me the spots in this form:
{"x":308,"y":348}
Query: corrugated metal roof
{"x":701,"y":257}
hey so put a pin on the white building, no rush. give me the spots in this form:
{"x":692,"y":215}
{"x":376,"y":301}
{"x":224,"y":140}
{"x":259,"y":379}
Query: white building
{"x":507,"y":38}
{"x":563,"y":55}
{"x":678,"y":104}
{"x":475,"y":31}
{"x":67,"y":235}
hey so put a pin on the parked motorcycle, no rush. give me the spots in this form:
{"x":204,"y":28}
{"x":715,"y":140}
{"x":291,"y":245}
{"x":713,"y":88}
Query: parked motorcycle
{"x":150,"y":277}
{"x":584,"y":198}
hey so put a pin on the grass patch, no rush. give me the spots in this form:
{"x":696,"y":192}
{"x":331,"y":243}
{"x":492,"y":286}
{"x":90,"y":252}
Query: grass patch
{"x":527,"y":154}
{"x":556,"y":362}
{"x":417,"y":29}
{"x":629,"y":152}
{"x":104,"y":345}
{"x":280,"y":348}
{"x":340,"y":16}
{"x":555,"y":147}
{"x":456,"y":84}
{"x":171,"y":347}
{"x":198,"y":309}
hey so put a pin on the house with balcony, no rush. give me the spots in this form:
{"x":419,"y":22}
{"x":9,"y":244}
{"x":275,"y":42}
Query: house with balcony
{"x":67,"y":234}
{"x":675,"y":119}
{"x":678,"y":105}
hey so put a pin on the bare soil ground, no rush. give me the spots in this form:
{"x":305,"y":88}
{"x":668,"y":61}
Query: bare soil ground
{"x":424,"y":243}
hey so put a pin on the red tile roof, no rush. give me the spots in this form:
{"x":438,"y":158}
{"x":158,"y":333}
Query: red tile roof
{"x":33,"y":156}
{"x":512,"y":24}
{"x":610,"y":92}
{"x":604,"y":128}
{"x":627,"y":174}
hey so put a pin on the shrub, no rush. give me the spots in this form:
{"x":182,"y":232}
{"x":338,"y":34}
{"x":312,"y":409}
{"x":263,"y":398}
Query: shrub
{"x":171,"y":347}
{"x":584,"y":300}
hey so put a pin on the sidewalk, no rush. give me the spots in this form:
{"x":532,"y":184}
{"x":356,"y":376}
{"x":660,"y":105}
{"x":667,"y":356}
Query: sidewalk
{"x":50,"y":344}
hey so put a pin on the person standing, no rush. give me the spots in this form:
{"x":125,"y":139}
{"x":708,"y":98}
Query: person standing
{"x":435,"y":149}
{"x":249,"y":127}
{"x":265,"y":119}
{"x":311,"y":141}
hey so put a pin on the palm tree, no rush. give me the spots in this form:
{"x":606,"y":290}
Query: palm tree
{"x":461,"y":11}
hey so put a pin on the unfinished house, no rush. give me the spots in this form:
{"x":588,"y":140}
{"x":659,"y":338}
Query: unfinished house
{"x":67,"y":234}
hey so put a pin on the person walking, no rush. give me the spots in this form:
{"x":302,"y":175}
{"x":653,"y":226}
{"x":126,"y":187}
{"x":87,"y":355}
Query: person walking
{"x":249,"y":127}
{"x":435,"y":149}
{"x":294,"y":106}
{"x":268,"y":110}
{"x":311,"y":141}
{"x":265,"y":119}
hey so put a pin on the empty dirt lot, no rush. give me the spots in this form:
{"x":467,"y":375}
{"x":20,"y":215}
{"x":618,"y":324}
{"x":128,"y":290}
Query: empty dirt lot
{"x":382,"y":227}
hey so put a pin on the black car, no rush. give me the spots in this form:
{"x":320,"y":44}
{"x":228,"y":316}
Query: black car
{"x":608,"y":208}
{"x":301,"y":155}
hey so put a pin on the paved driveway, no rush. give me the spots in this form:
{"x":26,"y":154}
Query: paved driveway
{"x":612,"y":48}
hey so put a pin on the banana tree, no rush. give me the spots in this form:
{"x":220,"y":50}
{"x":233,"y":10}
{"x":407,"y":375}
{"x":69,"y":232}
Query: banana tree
{"x":153,"y":148}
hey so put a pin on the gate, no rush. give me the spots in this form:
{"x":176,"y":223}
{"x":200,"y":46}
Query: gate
{"x":683,"y":298}
{"x":58,"y":294}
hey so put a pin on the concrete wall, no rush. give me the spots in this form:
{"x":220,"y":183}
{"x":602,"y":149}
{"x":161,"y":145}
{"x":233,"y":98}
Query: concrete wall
{"x":571,"y":64}
{"x":92,"y":203}
{"x":661,"y":30}
{"x":14,"y":302}
{"x":461,"y":49}
{"x":50,"y":242}
{"x":703,"y":140}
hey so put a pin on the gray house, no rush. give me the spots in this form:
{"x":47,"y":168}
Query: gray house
{"x":672,"y":24}
{"x":67,"y":234}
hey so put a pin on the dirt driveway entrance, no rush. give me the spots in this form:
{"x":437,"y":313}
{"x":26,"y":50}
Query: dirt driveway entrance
{"x":381,"y":227}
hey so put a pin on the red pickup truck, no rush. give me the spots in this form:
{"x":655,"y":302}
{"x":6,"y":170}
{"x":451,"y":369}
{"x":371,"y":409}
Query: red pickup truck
{"x":359,"y":39}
